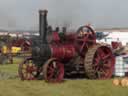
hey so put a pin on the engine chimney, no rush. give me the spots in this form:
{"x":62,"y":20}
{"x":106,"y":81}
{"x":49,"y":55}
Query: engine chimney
{"x":43,"y":25}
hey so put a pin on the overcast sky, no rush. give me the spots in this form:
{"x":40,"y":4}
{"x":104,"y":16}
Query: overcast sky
{"x":23,"y":14}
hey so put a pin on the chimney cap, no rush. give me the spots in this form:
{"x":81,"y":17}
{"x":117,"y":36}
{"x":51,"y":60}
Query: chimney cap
{"x":43,"y":11}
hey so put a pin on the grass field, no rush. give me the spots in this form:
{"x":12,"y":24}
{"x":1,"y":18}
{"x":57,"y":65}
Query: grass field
{"x":16,"y":87}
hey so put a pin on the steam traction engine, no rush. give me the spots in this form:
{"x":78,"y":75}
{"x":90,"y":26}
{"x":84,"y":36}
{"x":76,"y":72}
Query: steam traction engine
{"x":58,"y":54}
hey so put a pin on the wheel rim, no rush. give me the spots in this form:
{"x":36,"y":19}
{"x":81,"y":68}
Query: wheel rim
{"x":103,"y":62}
{"x":28,"y":70}
{"x":53,"y":71}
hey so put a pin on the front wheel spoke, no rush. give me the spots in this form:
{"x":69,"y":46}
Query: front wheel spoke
{"x":57,"y":72}
{"x":50,"y":75}
{"x":51,"y":69}
{"x":50,"y":72}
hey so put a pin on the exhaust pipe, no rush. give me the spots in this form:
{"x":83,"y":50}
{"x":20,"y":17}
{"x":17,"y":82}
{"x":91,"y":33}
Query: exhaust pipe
{"x":57,"y":29}
{"x":43,"y":25}
{"x":64,"y":30}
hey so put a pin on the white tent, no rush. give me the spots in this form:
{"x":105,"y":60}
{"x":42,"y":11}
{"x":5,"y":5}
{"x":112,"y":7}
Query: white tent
{"x":116,"y":36}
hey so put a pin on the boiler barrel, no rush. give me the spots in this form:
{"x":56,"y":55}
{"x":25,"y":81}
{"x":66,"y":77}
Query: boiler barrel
{"x":64,"y":52}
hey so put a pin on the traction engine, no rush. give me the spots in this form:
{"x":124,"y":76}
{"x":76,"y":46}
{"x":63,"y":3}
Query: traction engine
{"x":57,"y":54}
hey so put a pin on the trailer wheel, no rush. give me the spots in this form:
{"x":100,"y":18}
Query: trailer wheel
{"x":28,"y":70}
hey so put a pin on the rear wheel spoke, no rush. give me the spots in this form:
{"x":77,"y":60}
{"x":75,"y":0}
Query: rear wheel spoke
{"x":96,"y":69}
{"x":100,"y":52}
{"x":102,"y":71}
{"x":106,"y":66}
{"x":107,"y":56}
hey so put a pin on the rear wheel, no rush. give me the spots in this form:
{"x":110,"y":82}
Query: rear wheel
{"x":99,"y":62}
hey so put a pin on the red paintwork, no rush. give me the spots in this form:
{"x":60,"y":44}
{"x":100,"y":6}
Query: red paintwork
{"x":66,"y":50}
{"x":77,"y":44}
{"x":56,"y":37}
{"x":73,"y":45}
{"x":63,"y":52}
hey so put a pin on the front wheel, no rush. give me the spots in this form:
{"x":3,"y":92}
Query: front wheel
{"x":53,"y":70}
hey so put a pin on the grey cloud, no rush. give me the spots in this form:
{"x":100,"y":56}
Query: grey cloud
{"x":23,"y":14}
